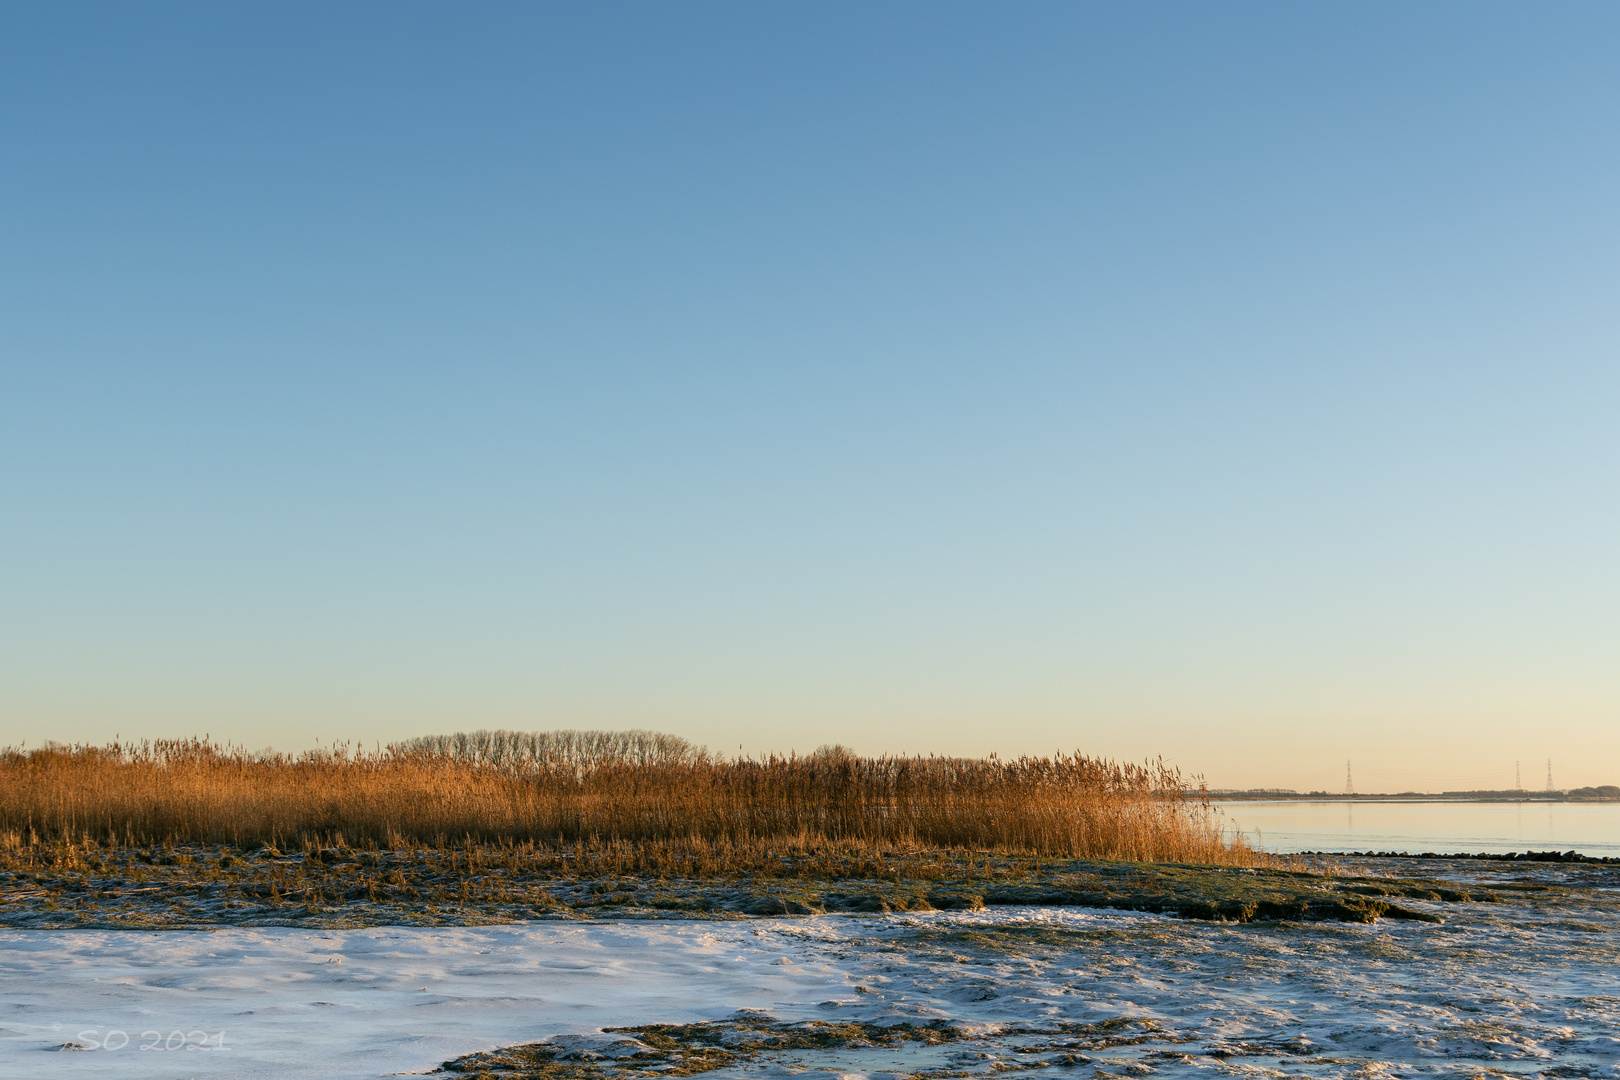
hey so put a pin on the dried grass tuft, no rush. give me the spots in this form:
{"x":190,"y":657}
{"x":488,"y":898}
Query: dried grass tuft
{"x":560,"y":792}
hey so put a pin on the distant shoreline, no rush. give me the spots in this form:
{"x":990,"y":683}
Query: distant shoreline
{"x":1414,"y":797}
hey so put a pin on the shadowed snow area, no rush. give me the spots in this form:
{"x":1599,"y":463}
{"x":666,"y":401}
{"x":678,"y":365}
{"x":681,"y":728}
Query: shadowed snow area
{"x":1526,"y":987}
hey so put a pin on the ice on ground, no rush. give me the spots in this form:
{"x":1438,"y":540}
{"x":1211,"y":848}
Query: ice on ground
{"x":1524,"y":988}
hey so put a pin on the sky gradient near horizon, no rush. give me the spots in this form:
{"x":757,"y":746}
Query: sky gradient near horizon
{"x":1236,"y":384}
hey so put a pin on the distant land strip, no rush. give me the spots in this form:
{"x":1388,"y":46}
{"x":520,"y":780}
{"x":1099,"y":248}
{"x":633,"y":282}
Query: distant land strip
{"x":1605,"y":793}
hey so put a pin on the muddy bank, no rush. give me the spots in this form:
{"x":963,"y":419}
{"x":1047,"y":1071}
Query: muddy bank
{"x":216,"y":886}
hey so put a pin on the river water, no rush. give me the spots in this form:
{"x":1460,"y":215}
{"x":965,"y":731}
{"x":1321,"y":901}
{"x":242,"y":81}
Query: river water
{"x":1341,"y":825}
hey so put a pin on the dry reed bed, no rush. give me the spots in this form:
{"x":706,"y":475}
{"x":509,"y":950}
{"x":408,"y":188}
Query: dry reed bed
{"x":194,"y":792}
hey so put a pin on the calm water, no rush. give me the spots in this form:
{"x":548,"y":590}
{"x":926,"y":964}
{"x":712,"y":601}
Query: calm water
{"x":1442,"y":827}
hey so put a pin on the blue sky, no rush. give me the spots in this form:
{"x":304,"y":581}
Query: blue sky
{"x":1232,"y":383}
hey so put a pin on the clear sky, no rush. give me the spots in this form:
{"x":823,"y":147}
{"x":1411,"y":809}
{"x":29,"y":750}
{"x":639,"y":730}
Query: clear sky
{"x":1234,"y":383}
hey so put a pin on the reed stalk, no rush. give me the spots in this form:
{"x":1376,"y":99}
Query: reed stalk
{"x":194,"y":791}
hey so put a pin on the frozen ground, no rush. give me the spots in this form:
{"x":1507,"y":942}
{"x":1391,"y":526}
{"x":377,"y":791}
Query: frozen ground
{"x":1529,"y":987}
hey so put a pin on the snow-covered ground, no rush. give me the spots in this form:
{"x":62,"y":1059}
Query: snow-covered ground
{"x":1517,"y":987}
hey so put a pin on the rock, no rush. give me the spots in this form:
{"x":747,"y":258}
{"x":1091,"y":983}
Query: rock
{"x":874,"y":905}
{"x":956,"y":901}
{"x":771,"y":905}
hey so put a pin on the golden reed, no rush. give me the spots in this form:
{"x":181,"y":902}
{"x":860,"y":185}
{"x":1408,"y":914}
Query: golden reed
{"x":430,"y":792}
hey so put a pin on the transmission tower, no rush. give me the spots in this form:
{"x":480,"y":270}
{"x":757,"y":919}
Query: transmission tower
{"x":1518,"y":784}
{"x":1549,"y":774}
{"x":1349,"y":788}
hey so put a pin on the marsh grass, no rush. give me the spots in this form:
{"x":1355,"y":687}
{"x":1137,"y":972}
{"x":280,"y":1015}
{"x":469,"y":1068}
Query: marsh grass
{"x":675,"y":805}
{"x":753,"y":1043}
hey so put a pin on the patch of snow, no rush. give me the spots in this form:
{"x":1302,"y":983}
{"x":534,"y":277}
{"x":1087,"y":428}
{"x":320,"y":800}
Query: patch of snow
{"x":1520,"y":986}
